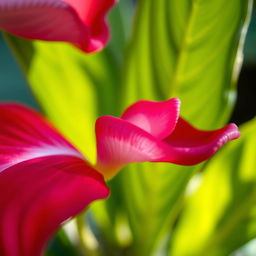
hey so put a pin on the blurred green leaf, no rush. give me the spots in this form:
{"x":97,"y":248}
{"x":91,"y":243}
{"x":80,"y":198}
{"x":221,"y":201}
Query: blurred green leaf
{"x":153,"y":200}
{"x":72,"y":88}
{"x":186,"y":49}
{"x":61,"y":246}
{"x":250,"y":50}
{"x":221,"y":214}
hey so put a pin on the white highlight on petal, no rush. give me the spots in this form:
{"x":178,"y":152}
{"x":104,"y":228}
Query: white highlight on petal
{"x":42,"y":151}
{"x":141,"y":121}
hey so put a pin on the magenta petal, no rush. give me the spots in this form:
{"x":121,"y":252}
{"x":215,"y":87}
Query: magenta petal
{"x":38,"y":195}
{"x":120,"y":142}
{"x":157,"y":118}
{"x":24,"y":135}
{"x":79,"y":22}
{"x":44,"y":180}
{"x":93,"y":14}
{"x":189,"y":145}
{"x":51,"y":20}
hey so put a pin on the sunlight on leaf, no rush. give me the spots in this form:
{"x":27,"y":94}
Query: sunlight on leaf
{"x":69,"y":85}
{"x":221,"y":215}
{"x":190,"y":50}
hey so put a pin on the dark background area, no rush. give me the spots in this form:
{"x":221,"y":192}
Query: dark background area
{"x":13,"y":86}
{"x":245,"y":108}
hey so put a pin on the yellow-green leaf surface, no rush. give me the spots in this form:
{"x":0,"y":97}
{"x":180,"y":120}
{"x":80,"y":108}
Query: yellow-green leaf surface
{"x":191,"y":50}
{"x":221,"y":214}
{"x":153,"y":200}
{"x":72,"y":88}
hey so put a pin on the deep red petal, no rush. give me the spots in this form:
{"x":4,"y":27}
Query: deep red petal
{"x":157,"y":118}
{"x":79,"y":22}
{"x":24,"y":135}
{"x":38,"y":195}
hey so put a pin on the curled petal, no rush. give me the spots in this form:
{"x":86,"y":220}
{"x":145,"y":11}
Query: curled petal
{"x":79,"y":22}
{"x":38,"y":195}
{"x":93,"y":14}
{"x":191,"y":146}
{"x":157,"y":118}
{"x":120,"y":142}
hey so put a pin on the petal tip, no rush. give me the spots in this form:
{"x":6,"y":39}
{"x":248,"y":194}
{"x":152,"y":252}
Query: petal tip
{"x":234,"y":131}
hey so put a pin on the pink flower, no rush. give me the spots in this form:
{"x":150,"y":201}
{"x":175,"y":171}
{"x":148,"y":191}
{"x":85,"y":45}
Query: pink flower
{"x":44,"y":180}
{"x":153,"y":132}
{"x":80,"y":22}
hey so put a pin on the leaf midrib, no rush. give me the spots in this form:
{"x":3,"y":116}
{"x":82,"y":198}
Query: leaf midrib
{"x":183,"y":50}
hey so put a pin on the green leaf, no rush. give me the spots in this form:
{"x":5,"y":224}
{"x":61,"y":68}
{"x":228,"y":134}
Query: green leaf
{"x":191,"y":50}
{"x":72,"y":88}
{"x":186,"y":49}
{"x":220,"y":216}
{"x":153,"y":200}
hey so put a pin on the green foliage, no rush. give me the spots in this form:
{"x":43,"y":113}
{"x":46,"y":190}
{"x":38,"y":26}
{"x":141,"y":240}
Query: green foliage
{"x":178,"y":48}
{"x":153,"y":197}
{"x":188,"y":49}
{"x":72,"y":88}
{"x":220,"y":215}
